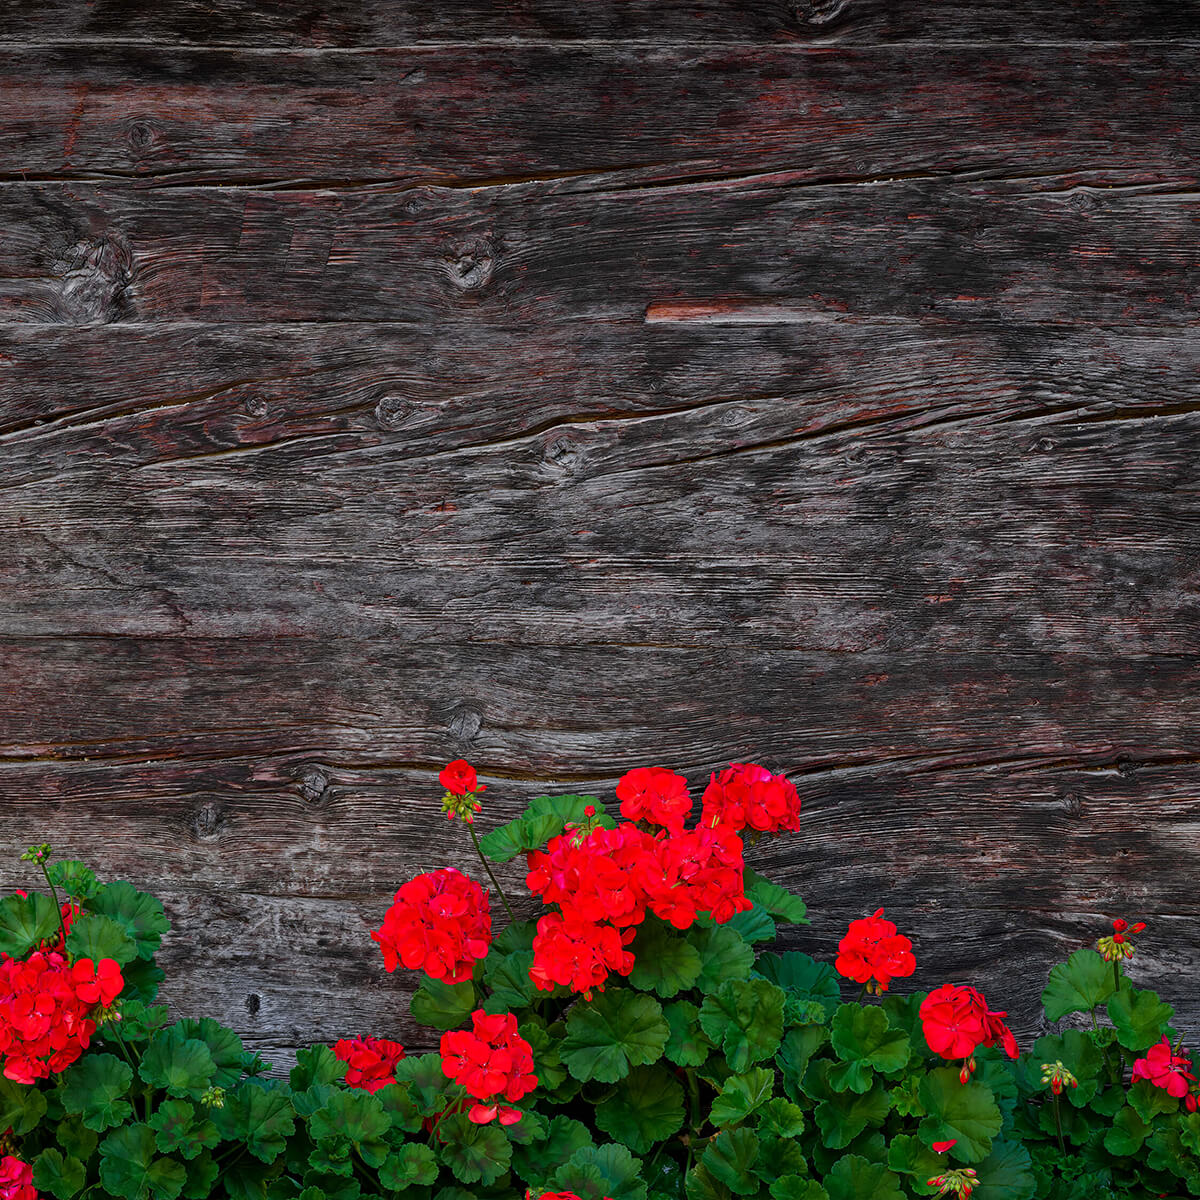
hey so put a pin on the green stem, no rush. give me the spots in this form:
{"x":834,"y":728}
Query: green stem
{"x":1062,"y":1149}
{"x":62,"y":924}
{"x":1117,"y":974}
{"x":694,"y":1099}
{"x":488,"y":868}
{"x":1095,"y":1027}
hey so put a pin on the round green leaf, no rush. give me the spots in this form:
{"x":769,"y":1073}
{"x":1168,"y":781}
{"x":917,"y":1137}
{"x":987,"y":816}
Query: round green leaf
{"x":178,"y":1129}
{"x":611,"y":1034}
{"x":25,"y":922}
{"x":730,"y":1158}
{"x":21,"y":1107}
{"x":686,"y":1046}
{"x":475,"y":1153}
{"x":223,"y":1044}
{"x":801,"y":976}
{"x":966,"y":1113}
{"x":411,"y":1165}
{"x":745,"y":1018}
{"x":442,"y":1005}
{"x":1128,"y":1133}
{"x":854,"y":1178}
{"x":180,"y":1065}
{"x":741,"y":1095}
{"x":61,"y":1177}
{"x":99,"y":937}
{"x":1139,"y":1017}
{"x":1080,"y":984}
{"x":646,"y":1107}
{"x":602,"y":1171}
{"x":139,"y":914}
{"x":1006,"y":1174}
{"x":131,"y":1169}
{"x":538,"y":1163}
{"x":94,"y":1087}
{"x":260,"y":1115}
{"x":863,"y":1034}
{"x":664,"y":960}
{"x":724,"y":954}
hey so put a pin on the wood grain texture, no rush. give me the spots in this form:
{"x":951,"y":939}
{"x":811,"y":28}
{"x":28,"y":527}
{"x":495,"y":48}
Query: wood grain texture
{"x":350,"y":23}
{"x":597,"y":117}
{"x":80,"y":254}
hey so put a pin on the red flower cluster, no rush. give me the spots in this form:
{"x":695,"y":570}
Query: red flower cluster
{"x":462,"y":790}
{"x":957,"y":1021}
{"x":46,"y":1011}
{"x":605,"y":881}
{"x":16,"y":1179}
{"x":872,"y":952}
{"x":656,"y":795}
{"x":1119,"y":944}
{"x":1168,"y":1071}
{"x":371,"y":1062}
{"x":439,"y":923}
{"x":745,"y":794}
{"x":491,"y":1061}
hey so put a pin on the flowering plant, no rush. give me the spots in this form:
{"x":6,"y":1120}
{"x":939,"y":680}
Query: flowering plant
{"x":636,"y":1040}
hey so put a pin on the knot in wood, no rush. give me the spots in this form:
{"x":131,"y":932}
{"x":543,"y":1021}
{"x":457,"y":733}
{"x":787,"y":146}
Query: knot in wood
{"x":1044,"y":445}
{"x":208,"y":821}
{"x":474,"y":266}
{"x":141,"y":137}
{"x":392,"y":411}
{"x":255,"y":405}
{"x":465,"y":722}
{"x":817,"y":12}
{"x":1072,"y":804}
{"x":95,"y":275}
{"x":313,"y":784}
{"x":564,"y":453}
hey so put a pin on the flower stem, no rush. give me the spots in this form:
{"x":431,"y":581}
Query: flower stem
{"x":1062,"y":1149}
{"x":62,"y":924}
{"x":1116,"y":975}
{"x":488,"y":868}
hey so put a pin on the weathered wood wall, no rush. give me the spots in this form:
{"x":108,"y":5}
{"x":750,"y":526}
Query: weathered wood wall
{"x":573,"y":387}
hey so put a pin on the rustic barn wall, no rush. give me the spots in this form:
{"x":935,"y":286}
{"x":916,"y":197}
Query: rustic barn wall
{"x":572,"y":387}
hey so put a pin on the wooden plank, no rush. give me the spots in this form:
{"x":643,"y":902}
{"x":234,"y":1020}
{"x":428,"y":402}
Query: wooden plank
{"x":274,"y":871}
{"x":397,"y":22}
{"x":597,"y":116}
{"x":896,"y":518}
{"x":78,"y":254}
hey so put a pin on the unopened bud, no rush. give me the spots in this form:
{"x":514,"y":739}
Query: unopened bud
{"x":213,"y":1097}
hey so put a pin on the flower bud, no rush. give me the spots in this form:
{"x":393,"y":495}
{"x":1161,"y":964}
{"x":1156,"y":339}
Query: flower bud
{"x":213,"y":1097}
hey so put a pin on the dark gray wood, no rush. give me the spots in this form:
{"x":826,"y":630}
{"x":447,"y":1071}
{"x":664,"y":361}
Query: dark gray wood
{"x":398,"y":22}
{"x":1038,"y":251}
{"x":597,"y":116}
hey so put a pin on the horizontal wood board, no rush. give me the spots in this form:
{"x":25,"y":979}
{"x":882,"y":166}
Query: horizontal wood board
{"x":572,"y":389}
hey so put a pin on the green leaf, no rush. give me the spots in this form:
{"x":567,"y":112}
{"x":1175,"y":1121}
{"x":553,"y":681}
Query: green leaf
{"x":730,"y":1158}
{"x":316,"y":1065}
{"x":26,"y":922}
{"x":1149,"y":1101}
{"x":546,"y":817}
{"x":909,"y":1155}
{"x":412,"y":1165}
{"x":1128,"y":1133}
{"x":784,"y":906}
{"x":139,"y":914}
{"x":74,"y":1139}
{"x":796,"y":1187}
{"x":795,"y":1053}
{"x":646,"y":1107}
{"x":61,"y":1177}
{"x":507,"y":978}
{"x":802,"y":976}
{"x":752,"y":924}
{"x":781,"y":1117}
{"x":744,"y":1017}
{"x":613,"y":1033}
{"x":130,"y":1168}
{"x":21,"y":1106}
{"x":177,"y":1129}
{"x":77,"y":880}
{"x":863,"y":1034}
{"x":1139,"y":1017}
{"x":842,"y":1116}
{"x":595,"y":1172}
{"x":180,"y":1065}
{"x":259,"y":1115}
{"x":538,"y":1164}
{"x":223,"y":1044}
{"x":724,"y":954}
{"x":442,"y":1005}
{"x":854,"y":1178}
{"x":1006,"y":1174}
{"x":686,"y":1045}
{"x":1077,"y":1052}
{"x":475,"y":1153}
{"x":356,"y":1116}
{"x":701,"y":1184}
{"x":664,"y":960}
{"x":741,"y":1095}
{"x":142,"y":977}
{"x":547,"y":1061}
{"x":99,"y":937}
{"x":965,"y":1112}
{"x":427,"y":1080}
{"x":93,"y":1087}
{"x":246,"y":1180}
{"x":1080,"y":984}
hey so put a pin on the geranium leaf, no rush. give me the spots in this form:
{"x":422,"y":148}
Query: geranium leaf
{"x":854,"y":1178}
{"x":1149,"y":1101}
{"x":646,"y":1107}
{"x":1077,"y":1052}
{"x":851,"y":1077}
{"x":1128,"y":1133}
{"x":74,"y":1138}
{"x":741,"y":1095}
{"x":796,"y":1187}
{"x":781,"y":1117}
{"x":139,"y":914}
{"x":779,"y":1156}
{"x":701,"y":1184}
{"x":246,"y":1180}
{"x":802,"y":976}
{"x":863,"y":1034}
{"x":617,"y":1031}
{"x":546,"y":817}
{"x":99,"y":937}
{"x":724,"y":954}
{"x":795,"y":1053}
{"x":61,"y":1177}
{"x":259,"y":1115}
{"x":745,"y":1018}
{"x":21,"y":1107}
{"x":316,"y":1064}
{"x":76,"y":879}
{"x":687,"y":1045}
{"x":1139,"y":1017}
{"x":412,"y":1165}
{"x":131,"y":1169}
{"x":547,"y":1061}
{"x":223,"y":1044}
{"x":909,"y":1155}
{"x":1006,"y":1174}
{"x":94,"y":1087}
{"x":595,"y":1172}
{"x":442,"y":1005}
{"x":784,"y":906}
{"x":180,"y":1065}
{"x":538,"y":1164}
{"x":475,"y":1153}
{"x":507,"y":978}
{"x":842,"y":1116}
{"x":142,"y":977}
{"x":730,"y":1158}
{"x":177,"y":1130}
{"x":427,"y":1080}
{"x":358,"y":1117}
{"x":25,"y":922}
{"x":664,"y":960}
{"x":965,"y":1113}
{"x":1080,"y":984}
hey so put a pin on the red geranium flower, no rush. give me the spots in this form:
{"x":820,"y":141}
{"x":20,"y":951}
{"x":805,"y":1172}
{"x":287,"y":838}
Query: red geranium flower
{"x":872,"y":952}
{"x":578,"y":954}
{"x":745,"y":794}
{"x":440,"y":923}
{"x":371,"y":1062}
{"x":16,"y":1179}
{"x":1165,"y":1070}
{"x":459,"y":778}
{"x":956,"y":1021}
{"x":491,"y":1061}
{"x":655,"y":795}
{"x":97,"y":984}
